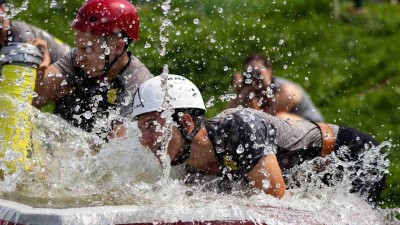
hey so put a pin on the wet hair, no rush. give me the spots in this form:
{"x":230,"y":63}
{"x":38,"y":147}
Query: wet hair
{"x":196,"y":114}
{"x":255,"y":57}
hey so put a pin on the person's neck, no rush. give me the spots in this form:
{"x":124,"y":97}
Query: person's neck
{"x":202,"y":155}
{"x":118,"y":66}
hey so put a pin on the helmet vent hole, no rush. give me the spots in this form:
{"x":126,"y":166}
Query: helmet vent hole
{"x":93,"y":19}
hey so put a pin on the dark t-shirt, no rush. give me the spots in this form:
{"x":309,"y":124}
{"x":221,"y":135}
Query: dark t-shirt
{"x":239,"y":142}
{"x":240,"y":137}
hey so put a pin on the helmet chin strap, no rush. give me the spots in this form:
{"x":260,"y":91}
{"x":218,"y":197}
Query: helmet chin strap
{"x":186,"y":147}
{"x":107,"y":64}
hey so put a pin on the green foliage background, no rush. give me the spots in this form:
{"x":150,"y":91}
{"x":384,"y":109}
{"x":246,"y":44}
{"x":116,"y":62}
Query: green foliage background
{"x":349,"y":67}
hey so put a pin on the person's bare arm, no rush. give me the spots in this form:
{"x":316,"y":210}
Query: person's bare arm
{"x":50,"y":83}
{"x":118,"y":131}
{"x":267,"y":176}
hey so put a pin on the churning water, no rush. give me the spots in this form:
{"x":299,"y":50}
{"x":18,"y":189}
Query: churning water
{"x":75,"y":169}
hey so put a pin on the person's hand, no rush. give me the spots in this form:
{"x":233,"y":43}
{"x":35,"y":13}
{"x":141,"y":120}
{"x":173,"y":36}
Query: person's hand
{"x":44,"y":49}
{"x":118,"y":132}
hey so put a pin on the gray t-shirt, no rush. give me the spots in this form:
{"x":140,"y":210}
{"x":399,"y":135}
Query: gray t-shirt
{"x":241,"y":137}
{"x":23,"y":32}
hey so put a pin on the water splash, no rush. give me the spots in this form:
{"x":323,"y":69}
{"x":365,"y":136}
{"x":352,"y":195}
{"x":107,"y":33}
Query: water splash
{"x":71,"y":169}
{"x":76,"y":169}
{"x":167,"y":111}
{"x":14,"y":10}
{"x":336,"y":170}
{"x":165,"y":6}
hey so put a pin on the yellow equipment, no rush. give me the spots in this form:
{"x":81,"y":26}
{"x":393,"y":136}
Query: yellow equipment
{"x":18,"y":65}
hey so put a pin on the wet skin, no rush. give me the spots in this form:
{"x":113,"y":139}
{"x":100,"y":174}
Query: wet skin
{"x":151,"y":125}
{"x":90,"y":53}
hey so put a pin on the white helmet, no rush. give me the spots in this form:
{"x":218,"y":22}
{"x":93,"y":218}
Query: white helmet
{"x":182,"y":93}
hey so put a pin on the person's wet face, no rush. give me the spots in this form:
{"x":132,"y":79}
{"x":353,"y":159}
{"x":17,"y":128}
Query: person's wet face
{"x":91,"y":50}
{"x":151,"y":125}
{"x":256,"y":72}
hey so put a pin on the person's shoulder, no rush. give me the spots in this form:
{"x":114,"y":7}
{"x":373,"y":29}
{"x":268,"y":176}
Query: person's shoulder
{"x":136,"y":61}
{"x":288,"y":89}
{"x":26,"y":29}
{"x":239,"y":116}
{"x":67,"y":63}
{"x":136,"y":66}
{"x":18,"y":23}
{"x":283,"y":82}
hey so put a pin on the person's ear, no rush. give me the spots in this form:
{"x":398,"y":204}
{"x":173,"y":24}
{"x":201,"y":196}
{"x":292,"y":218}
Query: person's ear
{"x":187,"y":122}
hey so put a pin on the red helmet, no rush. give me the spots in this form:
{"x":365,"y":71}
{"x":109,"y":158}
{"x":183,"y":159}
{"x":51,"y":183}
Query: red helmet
{"x":106,"y":17}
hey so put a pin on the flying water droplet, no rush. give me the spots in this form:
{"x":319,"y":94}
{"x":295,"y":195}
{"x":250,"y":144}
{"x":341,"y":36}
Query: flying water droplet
{"x":53,"y":4}
{"x":107,"y":51}
{"x":266,"y":184}
{"x":251,"y":95}
{"x":249,"y":69}
{"x":166,"y":23}
{"x":227,"y":97}
{"x":240,"y":149}
{"x":271,"y":132}
{"x":210,"y":102}
{"x":248,"y":81}
{"x":18,"y":82}
{"x":270,"y":92}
